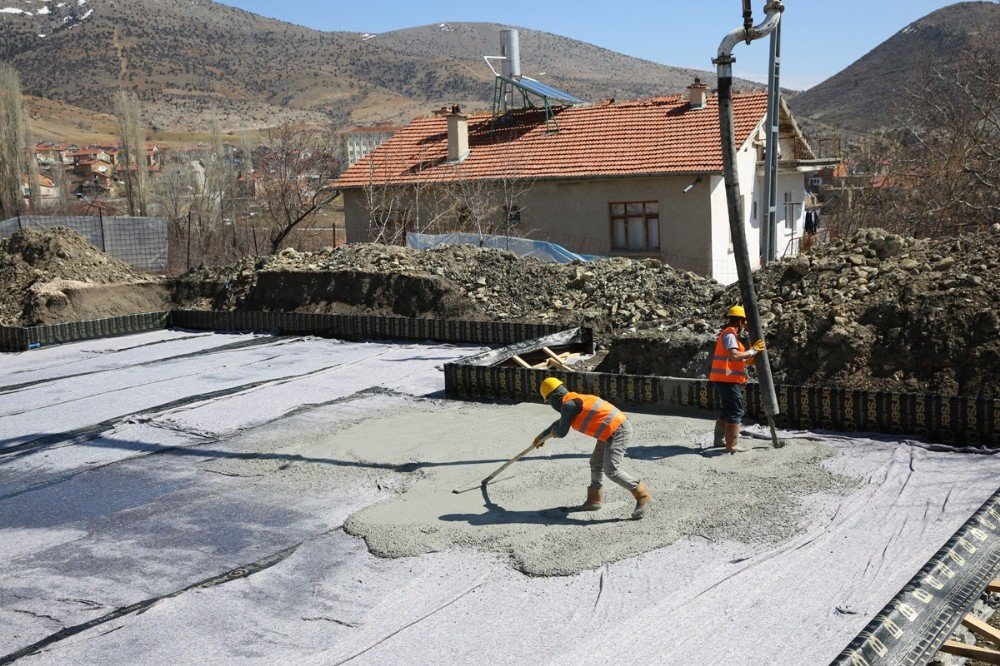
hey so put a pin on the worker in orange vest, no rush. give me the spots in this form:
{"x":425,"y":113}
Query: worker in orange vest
{"x":600,"y":419}
{"x":729,"y":373}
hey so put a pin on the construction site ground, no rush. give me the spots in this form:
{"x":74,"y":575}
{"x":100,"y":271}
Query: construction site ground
{"x":208,"y":497}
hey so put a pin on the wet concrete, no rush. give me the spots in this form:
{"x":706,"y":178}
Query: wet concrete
{"x":751,"y":497}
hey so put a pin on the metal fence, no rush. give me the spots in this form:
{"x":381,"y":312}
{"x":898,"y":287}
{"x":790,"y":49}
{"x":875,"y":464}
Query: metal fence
{"x":138,"y":241}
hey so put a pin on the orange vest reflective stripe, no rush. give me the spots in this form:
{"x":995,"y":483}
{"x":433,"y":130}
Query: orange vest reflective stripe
{"x":598,"y":418}
{"x":725,"y":368}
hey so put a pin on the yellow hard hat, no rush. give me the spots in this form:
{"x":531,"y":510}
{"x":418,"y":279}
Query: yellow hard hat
{"x":548,"y":386}
{"x":737,"y":311}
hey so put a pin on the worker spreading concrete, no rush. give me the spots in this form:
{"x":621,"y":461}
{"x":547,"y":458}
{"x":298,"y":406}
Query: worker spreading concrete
{"x":730,"y":361}
{"x":597,"y":418}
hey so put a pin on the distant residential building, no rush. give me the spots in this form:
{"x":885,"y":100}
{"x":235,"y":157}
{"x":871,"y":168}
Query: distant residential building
{"x":361,"y":141}
{"x":114,"y":156}
{"x":47,"y":189}
{"x":53,"y":154}
{"x":90,"y":154}
{"x":97,"y":174}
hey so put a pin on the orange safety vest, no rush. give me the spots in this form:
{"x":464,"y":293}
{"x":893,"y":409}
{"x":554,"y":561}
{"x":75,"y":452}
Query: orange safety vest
{"x":598,"y":418}
{"x":725,"y":368}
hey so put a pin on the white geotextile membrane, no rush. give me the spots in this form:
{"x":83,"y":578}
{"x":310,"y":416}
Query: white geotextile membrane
{"x":152,"y":503}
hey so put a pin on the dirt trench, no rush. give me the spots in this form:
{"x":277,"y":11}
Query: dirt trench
{"x":346,"y":292}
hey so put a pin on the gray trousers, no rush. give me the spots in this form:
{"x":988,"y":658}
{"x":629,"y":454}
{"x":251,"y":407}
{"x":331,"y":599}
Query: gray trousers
{"x":607,"y":459}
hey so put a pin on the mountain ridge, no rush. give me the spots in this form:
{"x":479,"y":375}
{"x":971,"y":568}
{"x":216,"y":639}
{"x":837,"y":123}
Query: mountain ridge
{"x":860,"y":98}
{"x":195,"y":63}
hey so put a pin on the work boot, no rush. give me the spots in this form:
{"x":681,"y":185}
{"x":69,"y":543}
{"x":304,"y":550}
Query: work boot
{"x":642,"y":497}
{"x":593,"y":502}
{"x":733,"y":438}
{"x":720,"y":435}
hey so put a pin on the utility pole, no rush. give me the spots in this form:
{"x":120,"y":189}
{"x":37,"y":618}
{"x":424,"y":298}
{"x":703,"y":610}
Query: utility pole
{"x":724,"y":62}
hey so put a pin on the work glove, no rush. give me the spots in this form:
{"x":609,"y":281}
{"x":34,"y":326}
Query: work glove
{"x":540,"y":440}
{"x":759,"y":346}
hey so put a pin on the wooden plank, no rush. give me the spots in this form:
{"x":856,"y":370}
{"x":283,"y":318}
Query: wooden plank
{"x":554,"y":358}
{"x":520,"y":361}
{"x":550,"y":353}
{"x":985,"y":655}
{"x":981,"y":629}
{"x":994,"y":586}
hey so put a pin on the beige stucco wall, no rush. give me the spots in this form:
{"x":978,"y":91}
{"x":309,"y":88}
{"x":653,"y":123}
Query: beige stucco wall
{"x":355,"y":216}
{"x":577,"y":215}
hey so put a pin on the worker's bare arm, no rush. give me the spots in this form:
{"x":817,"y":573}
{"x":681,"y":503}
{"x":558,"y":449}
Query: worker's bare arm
{"x":749,"y":353}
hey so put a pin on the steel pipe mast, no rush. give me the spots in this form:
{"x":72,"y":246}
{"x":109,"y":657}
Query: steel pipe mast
{"x":724,"y":64}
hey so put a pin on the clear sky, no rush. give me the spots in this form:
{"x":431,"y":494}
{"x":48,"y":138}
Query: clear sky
{"x":819,"y":37}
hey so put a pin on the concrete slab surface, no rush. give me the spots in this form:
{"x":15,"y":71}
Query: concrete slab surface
{"x":179,"y":497}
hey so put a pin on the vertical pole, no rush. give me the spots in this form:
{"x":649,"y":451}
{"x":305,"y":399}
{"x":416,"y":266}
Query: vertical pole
{"x":19,"y":225}
{"x":768,"y":227}
{"x":773,"y":146}
{"x":104,"y":236}
{"x":189,"y":242}
{"x":724,"y":62}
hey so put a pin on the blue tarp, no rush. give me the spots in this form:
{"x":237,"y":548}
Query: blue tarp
{"x":522,"y":247}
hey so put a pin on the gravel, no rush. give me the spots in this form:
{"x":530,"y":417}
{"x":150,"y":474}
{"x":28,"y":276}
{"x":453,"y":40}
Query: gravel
{"x":872,"y":311}
{"x":610,"y":294}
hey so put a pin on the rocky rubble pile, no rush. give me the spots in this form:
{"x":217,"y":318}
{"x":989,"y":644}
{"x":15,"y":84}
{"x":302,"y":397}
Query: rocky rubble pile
{"x":879,"y":311}
{"x":34,"y":265}
{"x":609,"y":294}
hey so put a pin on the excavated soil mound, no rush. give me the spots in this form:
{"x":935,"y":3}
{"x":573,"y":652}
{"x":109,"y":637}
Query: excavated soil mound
{"x":57,"y":275}
{"x":871,"y":311}
{"x":609,"y":294}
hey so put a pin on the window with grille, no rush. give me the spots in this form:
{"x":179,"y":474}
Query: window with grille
{"x":512,"y":214}
{"x":789,"y":211}
{"x":635,"y":226}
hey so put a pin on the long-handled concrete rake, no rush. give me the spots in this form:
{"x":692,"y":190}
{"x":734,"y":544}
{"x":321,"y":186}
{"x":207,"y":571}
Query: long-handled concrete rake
{"x":495,"y":474}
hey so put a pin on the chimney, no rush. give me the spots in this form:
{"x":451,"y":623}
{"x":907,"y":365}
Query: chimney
{"x":458,"y":134}
{"x":698,"y":94}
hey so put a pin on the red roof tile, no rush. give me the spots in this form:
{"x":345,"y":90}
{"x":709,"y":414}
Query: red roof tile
{"x":661,"y":135}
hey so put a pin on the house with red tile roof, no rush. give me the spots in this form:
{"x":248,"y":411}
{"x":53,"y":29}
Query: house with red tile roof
{"x":636,"y":178}
{"x":52,"y":154}
{"x":45,"y":186}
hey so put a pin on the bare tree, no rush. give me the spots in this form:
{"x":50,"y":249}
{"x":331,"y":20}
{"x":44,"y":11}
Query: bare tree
{"x":65,"y":203}
{"x":494,"y":205}
{"x":14,"y":154}
{"x":132,"y":140}
{"x":173,"y":191}
{"x":297,"y":172}
{"x":417,"y":205}
{"x":477,"y":204}
{"x":512,"y":194}
{"x":937,"y":171}
{"x":246,"y":148}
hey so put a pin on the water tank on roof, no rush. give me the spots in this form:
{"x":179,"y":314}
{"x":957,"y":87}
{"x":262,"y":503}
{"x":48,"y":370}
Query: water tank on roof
{"x":510,"y":49}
